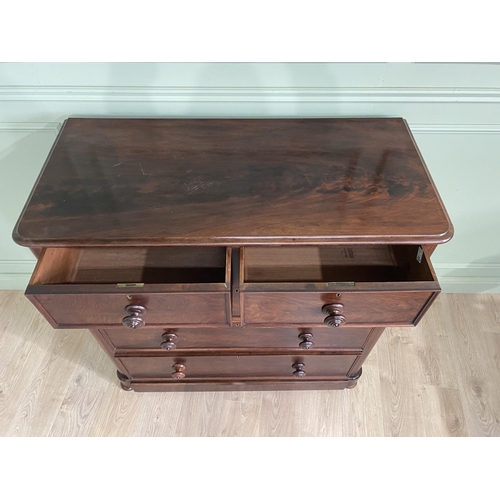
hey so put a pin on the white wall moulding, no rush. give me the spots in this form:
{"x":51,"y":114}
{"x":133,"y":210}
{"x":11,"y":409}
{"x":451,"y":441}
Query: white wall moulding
{"x":469,"y":278}
{"x":454,"y":129}
{"x":14,"y":281}
{"x":417,"y":128}
{"x":15,"y":274}
{"x":484,"y":269}
{"x":395,"y":75}
{"x":469,"y":284}
{"x":249,"y":94}
{"x":8,"y":266}
{"x":30,"y":126}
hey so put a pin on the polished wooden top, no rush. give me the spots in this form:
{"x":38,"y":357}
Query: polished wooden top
{"x":225,"y":181}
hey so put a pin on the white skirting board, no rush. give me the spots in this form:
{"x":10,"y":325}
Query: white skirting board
{"x":469,"y":278}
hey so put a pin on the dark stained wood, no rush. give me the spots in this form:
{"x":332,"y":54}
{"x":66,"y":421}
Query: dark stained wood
{"x":360,"y":309}
{"x":239,"y":385}
{"x":319,"y":264}
{"x":234,"y":254}
{"x":235,"y":287}
{"x":36,"y":251}
{"x":109,"y":349}
{"x":306,"y":340}
{"x":179,"y":370}
{"x":429,"y":249}
{"x":238,"y":367}
{"x":140,"y":182}
{"x":334,"y":317}
{"x":56,"y":265}
{"x":254,"y":339}
{"x":299,"y":370}
{"x":124,"y":381}
{"x":135,"y":316}
{"x":372,"y":339}
{"x":69,"y":310}
{"x":157,"y":265}
{"x":408,"y":258}
{"x":169,"y":338}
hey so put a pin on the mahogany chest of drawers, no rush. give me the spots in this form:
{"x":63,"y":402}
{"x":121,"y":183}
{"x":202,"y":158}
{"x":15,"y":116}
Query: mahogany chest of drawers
{"x":234,"y":254}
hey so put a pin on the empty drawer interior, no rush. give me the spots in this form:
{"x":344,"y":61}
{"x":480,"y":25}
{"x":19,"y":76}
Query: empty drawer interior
{"x":308,"y":264}
{"x":131,"y":265}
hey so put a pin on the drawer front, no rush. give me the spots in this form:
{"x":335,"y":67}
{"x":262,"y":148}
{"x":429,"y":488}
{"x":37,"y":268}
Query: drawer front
{"x":220,"y":367}
{"x":357,"y":308}
{"x":165,"y":309}
{"x":237,"y":338}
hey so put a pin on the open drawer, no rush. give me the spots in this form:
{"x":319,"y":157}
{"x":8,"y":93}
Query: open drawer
{"x":377,"y":285}
{"x":132,"y":287}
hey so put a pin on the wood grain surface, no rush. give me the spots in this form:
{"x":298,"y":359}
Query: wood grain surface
{"x":172,"y":182}
{"x":72,"y":310}
{"x":255,"y":339}
{"x":360,"y":309}
{"x":441,"y":378}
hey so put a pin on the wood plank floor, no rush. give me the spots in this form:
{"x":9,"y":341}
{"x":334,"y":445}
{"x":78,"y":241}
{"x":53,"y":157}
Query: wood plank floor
{"x":441,"y":378}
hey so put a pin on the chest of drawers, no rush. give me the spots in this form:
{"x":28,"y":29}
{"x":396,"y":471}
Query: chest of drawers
{"x":234,"y":254}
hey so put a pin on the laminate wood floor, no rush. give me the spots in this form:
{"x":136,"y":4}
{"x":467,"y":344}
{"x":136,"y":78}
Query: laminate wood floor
{"x":441,"y":378}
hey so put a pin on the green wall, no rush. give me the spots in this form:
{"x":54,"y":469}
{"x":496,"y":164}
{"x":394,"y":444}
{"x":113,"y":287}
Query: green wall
{"x":452,"y":109}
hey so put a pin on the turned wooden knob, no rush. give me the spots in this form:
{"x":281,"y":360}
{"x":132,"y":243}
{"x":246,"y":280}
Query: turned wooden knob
{"x":306,"y":340}
{"x":299,"y":370}
{"x":335,"y":317}
{"x":179,"y":370}
{"x":134,"y":318}
{"x":169,"y":339}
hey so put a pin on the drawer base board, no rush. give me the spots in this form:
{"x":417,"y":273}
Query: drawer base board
{"x":237,"y":385}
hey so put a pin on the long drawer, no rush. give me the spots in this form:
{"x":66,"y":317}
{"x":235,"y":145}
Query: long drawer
{"x":289,"y":367}
{"x":131,"y":287}
{"x":254,"y":339}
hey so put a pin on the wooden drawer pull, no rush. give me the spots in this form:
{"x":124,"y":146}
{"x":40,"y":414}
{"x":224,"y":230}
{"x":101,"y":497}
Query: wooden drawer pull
{"x":306,"y":340}
{"x":134,"y":318}
{"x":179,"y":370}
{"x":169,"y":339}
{"x":299,"y":370}
{"x":335,"y":317}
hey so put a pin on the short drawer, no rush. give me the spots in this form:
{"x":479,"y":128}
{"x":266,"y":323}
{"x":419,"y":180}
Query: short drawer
{"x":234,"y":367}
{"x":336,"y":309}
{"x":379,"y":285}
{"x":86,"y":310}
{"x":179,"y":339}
{"x":76,"y":288}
